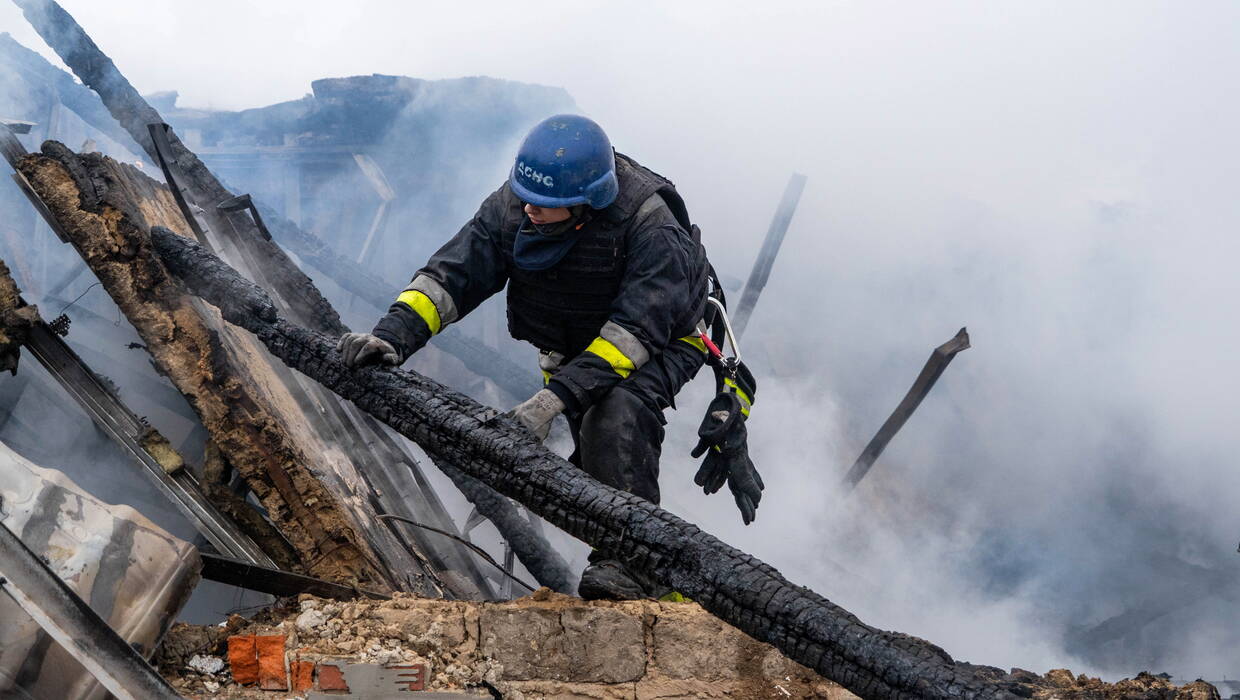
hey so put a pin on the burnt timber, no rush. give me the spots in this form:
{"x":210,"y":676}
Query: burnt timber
{"x":398,"y":482}
{"x":938,"y":361}
{"x":21,"y":324}
{"x":736,"y":587}
{"x":103,"y":206}
{"x":134,"y":114}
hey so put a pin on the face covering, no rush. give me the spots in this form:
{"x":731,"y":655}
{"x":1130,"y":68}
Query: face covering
{"x":540,"y":247}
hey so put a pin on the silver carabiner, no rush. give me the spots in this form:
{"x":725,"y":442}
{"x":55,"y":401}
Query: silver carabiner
{"x":731,"y":363}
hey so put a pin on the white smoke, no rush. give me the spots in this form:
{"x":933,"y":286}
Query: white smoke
{"x":1057,"y":176}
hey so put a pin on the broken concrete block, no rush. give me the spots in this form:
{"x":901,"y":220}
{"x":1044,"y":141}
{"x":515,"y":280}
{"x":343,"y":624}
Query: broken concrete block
{"x":206,"y":664}
{"x":603,"y":645}
{"x":566,"y":643}
{"x":310,"y":620}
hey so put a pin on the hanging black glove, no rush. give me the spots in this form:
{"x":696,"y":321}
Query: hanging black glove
{"x":722,"y":437}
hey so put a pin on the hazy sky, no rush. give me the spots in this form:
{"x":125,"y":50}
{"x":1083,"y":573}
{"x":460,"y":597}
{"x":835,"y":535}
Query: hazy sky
{"x":1058,"y":176}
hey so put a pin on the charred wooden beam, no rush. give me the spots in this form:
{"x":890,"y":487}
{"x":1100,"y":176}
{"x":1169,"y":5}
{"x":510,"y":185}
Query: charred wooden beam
{"x":264,"y":262}
{"x":735,"y":586}
{"x":131,"y":110}
{"x":264,"y":579}
{"x":765,"y":261}
{"x":930,"y":373}
{"x":103,"y":209}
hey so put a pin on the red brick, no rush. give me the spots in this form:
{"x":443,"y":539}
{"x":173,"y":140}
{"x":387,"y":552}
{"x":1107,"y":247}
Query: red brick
{"x":303,"y":676}
{"x":243,"y":659}
{"x":331,"y":678}
{"x":271,"y":672}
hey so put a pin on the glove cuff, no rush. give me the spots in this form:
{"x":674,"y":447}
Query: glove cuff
{"x":404,"y":329}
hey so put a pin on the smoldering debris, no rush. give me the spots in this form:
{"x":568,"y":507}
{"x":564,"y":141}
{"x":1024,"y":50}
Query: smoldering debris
{"x":325,"y":123}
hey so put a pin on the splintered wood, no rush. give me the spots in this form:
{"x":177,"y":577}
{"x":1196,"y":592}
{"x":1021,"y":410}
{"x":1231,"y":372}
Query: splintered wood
{"x":106,"y":208}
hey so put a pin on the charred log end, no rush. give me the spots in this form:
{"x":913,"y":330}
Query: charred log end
{"x":958,"y":343}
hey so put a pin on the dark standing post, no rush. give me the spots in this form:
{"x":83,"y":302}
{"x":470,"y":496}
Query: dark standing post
{"x":770,"y":250}
{"x":939,"y":359}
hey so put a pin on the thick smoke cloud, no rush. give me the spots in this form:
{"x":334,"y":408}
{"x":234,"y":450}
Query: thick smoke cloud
{"x":1059,"y":177}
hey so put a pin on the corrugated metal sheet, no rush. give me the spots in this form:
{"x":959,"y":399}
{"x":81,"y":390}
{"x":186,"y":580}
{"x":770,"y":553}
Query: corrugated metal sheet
{"x":131,"y":572}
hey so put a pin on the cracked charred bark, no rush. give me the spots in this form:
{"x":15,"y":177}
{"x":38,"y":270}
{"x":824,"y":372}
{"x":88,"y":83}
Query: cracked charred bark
{"x":531,"y":548}
{"x":735,"y":586}
{"x":97,"y":71}
{"x":103,"y":209}
{"x":293,"y":287}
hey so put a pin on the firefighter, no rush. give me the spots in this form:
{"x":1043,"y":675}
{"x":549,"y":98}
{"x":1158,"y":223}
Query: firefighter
{"x":604,"y":278}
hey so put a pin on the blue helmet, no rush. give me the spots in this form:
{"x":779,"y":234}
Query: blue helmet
{"x":564,"y":161}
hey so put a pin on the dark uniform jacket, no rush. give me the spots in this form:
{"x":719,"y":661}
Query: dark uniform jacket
{"x":634,"y":281}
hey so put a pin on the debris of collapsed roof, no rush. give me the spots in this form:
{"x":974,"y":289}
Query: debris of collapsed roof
{"x":254,"y":252}
{"x":543,"y":645}
{"x":540,"y":646}
{"x":272,"y":442}
{"x":733,"y":585}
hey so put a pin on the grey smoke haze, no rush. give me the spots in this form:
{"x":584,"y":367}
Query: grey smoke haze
{"x":1058,"y":176}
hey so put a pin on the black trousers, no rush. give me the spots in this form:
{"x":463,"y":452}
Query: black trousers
{"x":619,"y":439}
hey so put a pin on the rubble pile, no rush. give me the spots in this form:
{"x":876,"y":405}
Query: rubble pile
{"x":1061,"y":684}
{"x":546,"y":645}
{"x":241,"y":332}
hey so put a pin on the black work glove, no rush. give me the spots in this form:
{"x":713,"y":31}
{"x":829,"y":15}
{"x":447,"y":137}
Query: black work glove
{"x":361,"y":349}
{"x":722,"y":437}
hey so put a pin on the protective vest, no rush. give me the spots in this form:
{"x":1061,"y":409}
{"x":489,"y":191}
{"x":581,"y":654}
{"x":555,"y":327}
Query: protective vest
{"x":561,"y":309}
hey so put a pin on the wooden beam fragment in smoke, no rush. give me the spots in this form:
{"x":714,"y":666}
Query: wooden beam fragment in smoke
{"x":930,"y":373}
{"x":265,"y":262}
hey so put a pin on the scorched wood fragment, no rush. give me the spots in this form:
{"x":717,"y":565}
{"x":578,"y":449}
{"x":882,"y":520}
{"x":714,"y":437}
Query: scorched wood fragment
{"x":88,"y":62}
{"x":735,"y":586}
{"x":105,"y":208}
{"x":380,"y":463}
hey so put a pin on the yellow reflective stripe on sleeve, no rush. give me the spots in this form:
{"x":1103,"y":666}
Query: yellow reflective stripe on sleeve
{"x":695,"y":342}
{"x":746,"y":403}
{"x":422,"y":306}
{"x":619,"y":362}
{"x":546,"y":377}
